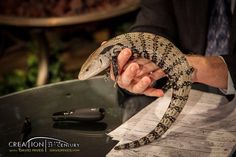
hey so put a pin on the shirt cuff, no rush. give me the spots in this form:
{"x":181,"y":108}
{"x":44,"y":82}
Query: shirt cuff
{"x":230,"y":87}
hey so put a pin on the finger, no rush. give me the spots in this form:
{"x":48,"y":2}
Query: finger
{"x":103,"y":42}
{"x":153,"y":92}
{"x":123,"y":57}
{"x":147,"y":68}
{"x":142,"y":61}
{"x":128,"y":75}
{"x":157,"y":74}
{"x":142,"y":85}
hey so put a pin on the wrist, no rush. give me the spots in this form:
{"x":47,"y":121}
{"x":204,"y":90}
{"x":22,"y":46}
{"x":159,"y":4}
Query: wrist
{"x":210,"y":70}
{"x":196,"y":62}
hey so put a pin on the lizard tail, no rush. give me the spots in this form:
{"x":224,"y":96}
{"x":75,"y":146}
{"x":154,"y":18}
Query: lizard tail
{"x":137,"y":143}
{"x":178,"y":100}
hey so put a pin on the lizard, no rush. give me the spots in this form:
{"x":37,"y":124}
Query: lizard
{"x":158,"y":50}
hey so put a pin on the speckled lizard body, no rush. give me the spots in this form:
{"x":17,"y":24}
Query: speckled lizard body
{"x":160,"y":51}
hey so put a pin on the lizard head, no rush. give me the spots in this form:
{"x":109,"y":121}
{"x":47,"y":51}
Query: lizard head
{"x":96,"y":63}
{"x":99,"y":60}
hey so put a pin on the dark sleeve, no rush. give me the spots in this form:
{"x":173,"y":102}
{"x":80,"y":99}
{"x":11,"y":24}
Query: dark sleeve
{"x":231,"y":63}
{"x":157,"y":17}
{"x":179,"y":21}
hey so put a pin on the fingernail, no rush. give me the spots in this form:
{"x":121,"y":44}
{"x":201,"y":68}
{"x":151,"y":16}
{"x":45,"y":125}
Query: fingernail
{"x":139,"y":73}
{"x":126,"y":81}
{"x":146,"y":80}
{"x":126,"y":51}
{"x":133,"y":69}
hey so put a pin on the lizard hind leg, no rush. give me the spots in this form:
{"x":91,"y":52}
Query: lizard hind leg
{"x":167,"y":86}
{"x":107,"y":75}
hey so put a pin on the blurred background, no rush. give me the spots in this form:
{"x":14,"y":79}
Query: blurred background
{"x":47,"y":41}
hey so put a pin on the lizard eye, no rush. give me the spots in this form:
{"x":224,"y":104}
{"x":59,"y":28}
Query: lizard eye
{"x":86,"y":69}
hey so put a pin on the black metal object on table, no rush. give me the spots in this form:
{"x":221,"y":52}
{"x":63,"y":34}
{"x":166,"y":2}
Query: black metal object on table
{"x":39,"y":104}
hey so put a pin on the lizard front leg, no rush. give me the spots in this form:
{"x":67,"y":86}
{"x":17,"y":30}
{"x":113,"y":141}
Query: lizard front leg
{"x":115,"y":68}
{"x":114,"y":64}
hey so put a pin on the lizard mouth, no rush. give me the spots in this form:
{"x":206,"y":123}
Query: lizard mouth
{"x":84,"y":75}
{"x":81,"y":78}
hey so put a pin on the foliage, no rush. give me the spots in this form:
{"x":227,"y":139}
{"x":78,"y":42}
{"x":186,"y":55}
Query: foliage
{"x":18,"y":79}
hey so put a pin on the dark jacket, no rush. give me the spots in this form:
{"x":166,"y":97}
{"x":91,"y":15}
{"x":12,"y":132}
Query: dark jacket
{"x":184,"y":22}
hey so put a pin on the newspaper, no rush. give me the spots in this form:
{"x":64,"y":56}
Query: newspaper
{"x":205,"y":128}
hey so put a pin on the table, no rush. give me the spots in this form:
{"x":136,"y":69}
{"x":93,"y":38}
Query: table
{"x":40,"y":103}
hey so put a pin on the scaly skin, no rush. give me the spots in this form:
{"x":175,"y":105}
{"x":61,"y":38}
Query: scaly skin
{"x":160,"y":51}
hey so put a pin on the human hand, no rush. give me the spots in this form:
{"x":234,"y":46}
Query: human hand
{"x":138,"y":75}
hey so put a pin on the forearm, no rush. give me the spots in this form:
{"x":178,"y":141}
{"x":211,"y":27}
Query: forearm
{"x":210,"y":70}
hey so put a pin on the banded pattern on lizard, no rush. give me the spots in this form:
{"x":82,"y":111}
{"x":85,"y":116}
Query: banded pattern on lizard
{"x":160,"y":51}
